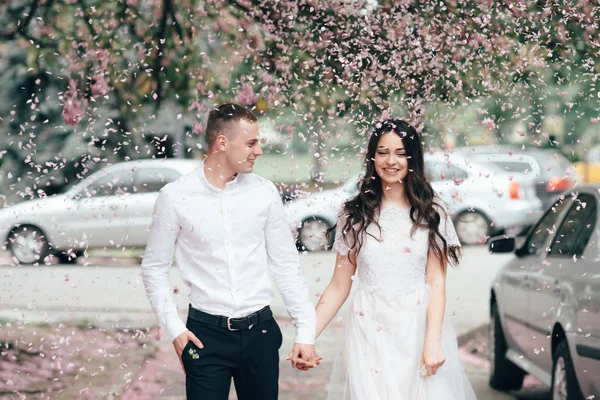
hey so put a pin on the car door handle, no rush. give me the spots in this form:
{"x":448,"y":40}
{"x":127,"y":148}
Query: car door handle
{"x":114,"y":207}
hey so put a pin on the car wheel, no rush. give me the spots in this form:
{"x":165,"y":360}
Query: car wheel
{"x":471,"y":227}
{"x":564,"y":380}
{"x":28,"y":244}
{"x":504,"y":375}
{"x":312,"y":235}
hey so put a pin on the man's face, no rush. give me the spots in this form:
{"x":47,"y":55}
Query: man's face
{"x":244,"y":148}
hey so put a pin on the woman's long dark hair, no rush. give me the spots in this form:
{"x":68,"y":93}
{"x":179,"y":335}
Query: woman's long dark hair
{"x":362,"y":210}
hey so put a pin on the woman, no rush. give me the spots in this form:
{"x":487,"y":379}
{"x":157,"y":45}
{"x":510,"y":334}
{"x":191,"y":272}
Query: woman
{"x":398,"y":239}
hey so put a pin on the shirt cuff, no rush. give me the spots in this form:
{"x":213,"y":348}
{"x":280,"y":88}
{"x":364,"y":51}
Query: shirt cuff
{"x":305,"y":335}
{"x":174,"y":328}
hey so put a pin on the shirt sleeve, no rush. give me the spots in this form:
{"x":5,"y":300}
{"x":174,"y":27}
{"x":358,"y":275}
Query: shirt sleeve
{"x":446,"y":227}
{"x":156,"y":266}
{"x":342,"y":243}
{"x":284,"y":264}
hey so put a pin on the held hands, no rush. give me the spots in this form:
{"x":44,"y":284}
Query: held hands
{"x":182,"y":340}
{"x":432,"y":358}
{"x":303,"y":357}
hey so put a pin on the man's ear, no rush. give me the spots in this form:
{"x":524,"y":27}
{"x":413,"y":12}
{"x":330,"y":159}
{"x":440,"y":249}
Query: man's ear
{"x":221,"y":143}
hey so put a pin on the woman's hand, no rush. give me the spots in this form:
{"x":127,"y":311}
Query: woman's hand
{"x":432,"y":358}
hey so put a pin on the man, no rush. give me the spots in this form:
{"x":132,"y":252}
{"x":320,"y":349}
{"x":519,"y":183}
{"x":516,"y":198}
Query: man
{"x":226,"y":227}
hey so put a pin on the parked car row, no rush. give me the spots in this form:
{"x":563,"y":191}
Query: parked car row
{"x":488,"y":189}
{"x":110,"y":208}
{"x":545,"y":302}
{"x":552,"y":172}
{"x":483,"y":198}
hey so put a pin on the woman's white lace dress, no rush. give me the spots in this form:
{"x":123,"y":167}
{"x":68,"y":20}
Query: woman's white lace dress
{"x":384,"y":335}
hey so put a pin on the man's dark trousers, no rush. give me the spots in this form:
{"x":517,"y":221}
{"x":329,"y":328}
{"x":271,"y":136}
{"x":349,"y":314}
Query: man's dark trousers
{"x":249,"y":356}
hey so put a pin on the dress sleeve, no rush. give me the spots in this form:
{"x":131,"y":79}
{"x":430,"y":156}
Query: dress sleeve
{"x":446,"y":227}
{"x":342,"y":243}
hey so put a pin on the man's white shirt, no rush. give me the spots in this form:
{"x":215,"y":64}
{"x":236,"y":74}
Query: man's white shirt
{"x":224,"y":242}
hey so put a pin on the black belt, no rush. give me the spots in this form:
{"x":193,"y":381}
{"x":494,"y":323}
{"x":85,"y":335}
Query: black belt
{"x":232,"y":324}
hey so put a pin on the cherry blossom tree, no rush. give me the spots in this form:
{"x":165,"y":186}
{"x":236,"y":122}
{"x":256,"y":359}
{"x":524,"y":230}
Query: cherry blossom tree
{"x":110,"y":70}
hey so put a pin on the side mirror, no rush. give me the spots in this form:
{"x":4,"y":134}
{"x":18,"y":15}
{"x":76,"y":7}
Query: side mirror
{"x":502,"y":244}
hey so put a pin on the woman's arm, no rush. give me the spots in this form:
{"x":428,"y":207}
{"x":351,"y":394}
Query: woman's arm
{"x":433,"y":356}
{"x":337,"y":291}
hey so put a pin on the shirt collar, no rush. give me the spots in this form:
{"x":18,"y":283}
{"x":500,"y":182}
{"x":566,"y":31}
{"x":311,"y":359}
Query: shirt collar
{"x":232,"y":183}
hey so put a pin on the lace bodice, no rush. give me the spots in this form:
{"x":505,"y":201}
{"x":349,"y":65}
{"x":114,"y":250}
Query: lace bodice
{"x":397,"y":262}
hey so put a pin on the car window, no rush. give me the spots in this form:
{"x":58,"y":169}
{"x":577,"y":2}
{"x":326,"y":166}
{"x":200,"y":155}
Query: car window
{"x":150,"y":180}
{"x":577,"y":227}
{"x":547,"y":225}
{"x":436,"y":171}
{"x":114,"y":183}
{"x":512,"y":166}
{"x":553,"y":164}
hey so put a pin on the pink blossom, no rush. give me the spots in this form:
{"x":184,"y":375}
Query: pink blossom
{"x":102,"y":56}
{"x":246,"y":95}
{"x":266,"y":78}
{"x":488,"y":123}
{"x":197,"y":128}
{"x":198,"y":106}
{"x":101,"y":86}
{"x":73,"y":108}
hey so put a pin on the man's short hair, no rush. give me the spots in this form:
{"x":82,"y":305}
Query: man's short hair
{"x":220,"y":120}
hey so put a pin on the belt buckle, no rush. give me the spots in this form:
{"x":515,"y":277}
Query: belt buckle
{"x":229,"y":325}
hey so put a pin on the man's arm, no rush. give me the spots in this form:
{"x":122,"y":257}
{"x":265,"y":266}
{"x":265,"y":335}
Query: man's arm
{"x":285,"y":267}
{"x":156,"y":266}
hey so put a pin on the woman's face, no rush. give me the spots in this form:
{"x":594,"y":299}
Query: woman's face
{"x":391,"y":160}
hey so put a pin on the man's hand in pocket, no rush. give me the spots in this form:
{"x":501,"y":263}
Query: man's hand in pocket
{"x":182,"y":340}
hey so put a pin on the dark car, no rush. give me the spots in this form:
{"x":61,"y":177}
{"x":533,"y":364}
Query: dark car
{"x":553,"y":172}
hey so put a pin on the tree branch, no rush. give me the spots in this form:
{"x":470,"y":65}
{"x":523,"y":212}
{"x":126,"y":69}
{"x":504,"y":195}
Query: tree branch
{"x":161,"y":39}
{"x":21,"y":28}
{"x":87,"y":18}
{"x":177,"y":26}
{"x":32,"y":9}
{"x":122,"y":16}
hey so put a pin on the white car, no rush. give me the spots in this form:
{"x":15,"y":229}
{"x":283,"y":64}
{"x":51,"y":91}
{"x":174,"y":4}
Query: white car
{"x":110,"y":208}
{"x":310,"y":217}
{"x":552,"y":171}
{"x":484,"y":200}
{"x":545,"y":301}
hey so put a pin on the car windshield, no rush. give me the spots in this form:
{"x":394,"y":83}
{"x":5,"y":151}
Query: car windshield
{"x":489,"y":167}
{"x":550,"y":162}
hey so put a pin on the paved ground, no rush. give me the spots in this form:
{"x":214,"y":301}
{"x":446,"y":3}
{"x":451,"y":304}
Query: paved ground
{"x":165,"y":373}
{"x":106,"y":290}
{"x":109,"y":293}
